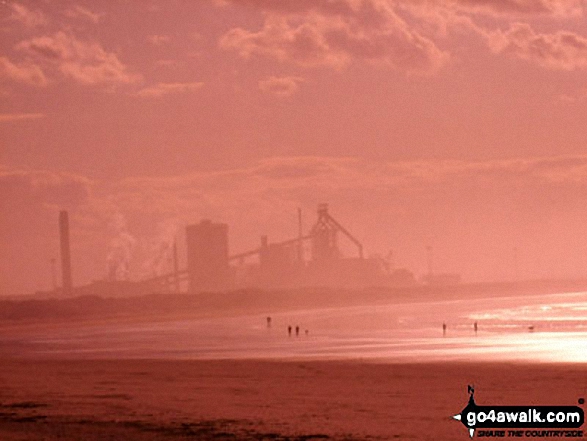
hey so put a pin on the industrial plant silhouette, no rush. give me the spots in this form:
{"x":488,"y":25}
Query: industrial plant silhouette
{"x":211,"y":267}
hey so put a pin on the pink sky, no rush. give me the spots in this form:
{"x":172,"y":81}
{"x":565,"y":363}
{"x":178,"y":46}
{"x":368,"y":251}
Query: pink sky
{"x":455,"y":123}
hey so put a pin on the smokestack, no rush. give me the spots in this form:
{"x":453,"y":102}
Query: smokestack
{"x":54,"y":274}
{"x":300,"y":234}
{"x":429,"y":252}
{"x":175,"y":267}
{"x":65,"y":253}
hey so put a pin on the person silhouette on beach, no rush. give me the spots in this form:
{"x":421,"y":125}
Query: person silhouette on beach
{"x":268,"y":322}
{"x":297,"y":331}
{"x":289,"y":331}
{"x":475,"y":328}
{"x":444,"y":329}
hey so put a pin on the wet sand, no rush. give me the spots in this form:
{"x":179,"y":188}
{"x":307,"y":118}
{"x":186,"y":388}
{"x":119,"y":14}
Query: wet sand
{"x":226,"y":399}
{"x":375,"y":371}
{"x":406,"y":332}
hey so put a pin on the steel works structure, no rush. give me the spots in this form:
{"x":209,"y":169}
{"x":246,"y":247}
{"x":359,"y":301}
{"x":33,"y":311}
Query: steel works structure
{"x":277,"y":264}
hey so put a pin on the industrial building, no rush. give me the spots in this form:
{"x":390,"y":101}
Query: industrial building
{"x":207,"y":257}
{"x":313,"y":259}
{"x":210,"y":267}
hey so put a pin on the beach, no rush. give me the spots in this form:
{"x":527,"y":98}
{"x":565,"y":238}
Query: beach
{"x":371,"y":371}
{"x":545,"y":328}
{"x":228,"y":399}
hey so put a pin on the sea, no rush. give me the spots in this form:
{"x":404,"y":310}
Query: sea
{"x":529,"y":328}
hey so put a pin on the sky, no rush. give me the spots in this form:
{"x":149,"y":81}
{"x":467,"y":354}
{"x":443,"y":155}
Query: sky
{"x":455,"y":124}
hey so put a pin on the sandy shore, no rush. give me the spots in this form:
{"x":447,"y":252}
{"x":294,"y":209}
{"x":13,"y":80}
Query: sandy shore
{"x":160,"y":400}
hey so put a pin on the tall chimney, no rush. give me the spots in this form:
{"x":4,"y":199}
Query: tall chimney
{"x":65,"y":253}
{"x":176,"y":267}
{"x":300,"y":234}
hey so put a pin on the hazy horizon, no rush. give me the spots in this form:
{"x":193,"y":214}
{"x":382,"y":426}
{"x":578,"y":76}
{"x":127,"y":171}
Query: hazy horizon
{"x":545,"y":328}
{"x":452,"y":124}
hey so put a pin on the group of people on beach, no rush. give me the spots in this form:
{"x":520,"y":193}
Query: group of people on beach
{"x":445,"y":327}
{"x":476,"y":327}
{"x":289,"y":328}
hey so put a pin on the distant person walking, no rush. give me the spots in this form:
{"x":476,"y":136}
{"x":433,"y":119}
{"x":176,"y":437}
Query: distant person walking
{"x":475,"y":328}
{"x":297,"y":331}
{"x":268,"y":322}
{"x":289,"y":331}
{"x":444,"y":329}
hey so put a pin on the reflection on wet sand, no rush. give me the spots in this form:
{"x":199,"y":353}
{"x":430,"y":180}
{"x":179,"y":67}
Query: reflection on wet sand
{"x":476,"y":330}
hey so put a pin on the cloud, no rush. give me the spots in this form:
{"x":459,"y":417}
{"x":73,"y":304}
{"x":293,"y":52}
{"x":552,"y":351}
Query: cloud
{"x":85,"y":62}
{"x":168,"y":63}
{"x":158,"y":40}
{"x":346,"y":7}
{"x":398,"y":33}
{"x":334,"y":33}
{"x":9,"y":117}
{"x":557,"y":50}
{"x":78,"y":11}
{"x":579,"y":96}
{"x":31,"y":188}
{"x":163,"y":89}
{"x":282,"y":87}
{"x":290,"y":181}
{"x":543,"y":7}
{"x":26,"y":16}
{"x":26,"y":73}
{"x":561,"y":50}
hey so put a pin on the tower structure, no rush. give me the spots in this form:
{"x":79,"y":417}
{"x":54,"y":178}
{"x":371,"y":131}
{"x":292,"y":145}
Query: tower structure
{"x":324,"y":237}
{"x":65,"y":252}
{"x":207,"y":256}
